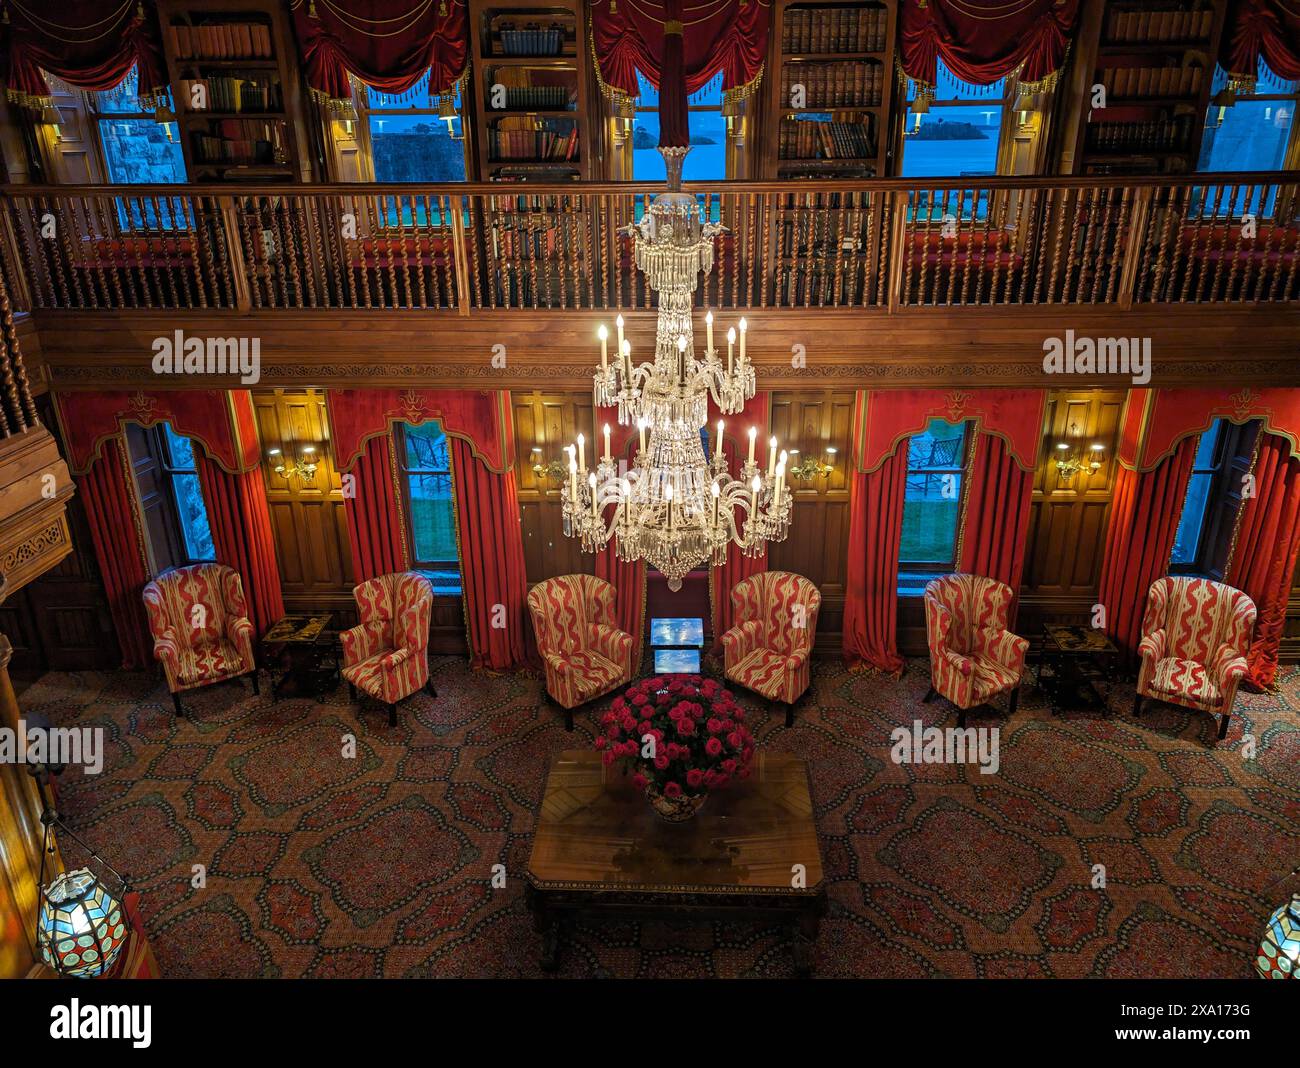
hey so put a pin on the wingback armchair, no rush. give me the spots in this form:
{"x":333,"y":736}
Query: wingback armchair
{"x":386,"y":655}
{"x":1195,"y":634}
{"x":767,"y":650}
{"x":201,"y":632}
{"x":973,"y":657}
{"x":584,"y":653}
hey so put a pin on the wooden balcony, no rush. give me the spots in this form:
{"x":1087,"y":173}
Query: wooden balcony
{"x":934,"y":267}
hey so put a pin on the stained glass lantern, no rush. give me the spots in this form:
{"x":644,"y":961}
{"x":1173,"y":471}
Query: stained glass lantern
{"x":81,"y":928}
{"x":1279,"y":949}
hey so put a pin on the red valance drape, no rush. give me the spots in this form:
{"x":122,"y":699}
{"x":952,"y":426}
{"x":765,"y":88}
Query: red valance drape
{"x":996,"y":521}
{"x":981,"y":41}
{"x":1157,"y":420}
{"x":1144,"y":513}
{"x":241,"y":533}
{"x":1261,"y":28}
{"x":1265,"y":549}
{"x":221,"y":421}
{"x":493,"y":576}
{"x":107,"y":495}
{"x":738,"y":566}
{"x":374,"y":513}
{"x":89,"y":44}
{"x":477,"y":417}
{"x":725,"y":35}
{"x":387,"y":44}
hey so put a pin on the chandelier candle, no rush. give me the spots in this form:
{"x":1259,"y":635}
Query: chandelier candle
{"x":676,"y":508}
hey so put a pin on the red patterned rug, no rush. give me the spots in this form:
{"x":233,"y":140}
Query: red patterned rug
{"x":379,"y":865}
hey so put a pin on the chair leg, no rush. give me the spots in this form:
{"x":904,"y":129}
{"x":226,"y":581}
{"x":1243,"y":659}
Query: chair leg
{"x":352,"y":692}
{"x":257,"y":689}
{"x":176,"y":700}
{"x":429,"y":686}
{"x":568,"y":720}
{"x":392,"y":715}
{"x":1015,"y":700}
{"x":1137,"y":705}
{"x":1223,"y":725}
{"x":961,"y":717}
{"x":930,"y":695}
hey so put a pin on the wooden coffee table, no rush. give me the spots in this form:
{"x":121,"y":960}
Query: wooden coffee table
{"x":600,"y":851}
{"x":1073,"y":662}
{"x":307,"y":653}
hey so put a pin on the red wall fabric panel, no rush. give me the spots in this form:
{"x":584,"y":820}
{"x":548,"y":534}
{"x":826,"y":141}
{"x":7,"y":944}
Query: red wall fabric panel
{"x":871,"y":589}
{"x":374,"y":514}
{"x":996,"y":524}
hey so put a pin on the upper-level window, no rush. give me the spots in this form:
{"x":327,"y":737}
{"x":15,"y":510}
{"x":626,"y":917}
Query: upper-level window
{"x":707,"y":159}
{"x":182,"y":473}
{"x":172,"y":509}
{"x":960,"y":134}
{"x":431,"y":517}
{"x":1214,"y":493}
{"x":136,"y":149}
{"x":1256,"y":132}
{"x":409,"y":140}
{"x":936,"y":464}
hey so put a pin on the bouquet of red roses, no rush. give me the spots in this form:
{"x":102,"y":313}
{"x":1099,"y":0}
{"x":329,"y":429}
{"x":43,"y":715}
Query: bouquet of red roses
{"x":700,"y":741}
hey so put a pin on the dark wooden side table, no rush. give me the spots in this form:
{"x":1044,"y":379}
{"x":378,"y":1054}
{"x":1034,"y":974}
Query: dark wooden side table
{"x":1073,"y":663}
{"x":306,"y":652}
{"x":750,"y":853}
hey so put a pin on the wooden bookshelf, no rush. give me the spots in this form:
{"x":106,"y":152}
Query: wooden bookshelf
{"x":1156,"y":63}
{"x":830,"y":88}
{"x":532,"y":92}
{"x":237,"y":58}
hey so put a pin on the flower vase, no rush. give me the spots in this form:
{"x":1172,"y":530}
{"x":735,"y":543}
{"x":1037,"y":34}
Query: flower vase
{"x":674,"y":809}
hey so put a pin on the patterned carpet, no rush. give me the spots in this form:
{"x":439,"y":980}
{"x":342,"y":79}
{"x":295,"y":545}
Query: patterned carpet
{"x":379,"y":865}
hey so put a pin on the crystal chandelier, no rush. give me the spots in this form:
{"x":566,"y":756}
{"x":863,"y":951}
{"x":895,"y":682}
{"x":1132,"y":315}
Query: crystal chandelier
{"x":674,"y":508}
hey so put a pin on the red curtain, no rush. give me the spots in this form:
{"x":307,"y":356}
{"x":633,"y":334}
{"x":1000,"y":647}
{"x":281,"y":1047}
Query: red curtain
{"x":730,"y":37}
{"x":387,"y":44}
{"x":871,"y":589}
{"x":1264,"y":555}
{"x":492,"y":560}
{"x":1255,"y":28}
{"x":981,"y":41}
{"x":628,"y":580}
{"x":374,"y":513}
{"x":241,"y":532}
{"x":86,"y":43}
{"x":996,"y":522}
{"x":1144,"y":514}
{"x":105,"y":493}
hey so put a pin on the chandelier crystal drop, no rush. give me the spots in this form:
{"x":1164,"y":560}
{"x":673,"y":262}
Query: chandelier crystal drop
{"x":674,"y":507}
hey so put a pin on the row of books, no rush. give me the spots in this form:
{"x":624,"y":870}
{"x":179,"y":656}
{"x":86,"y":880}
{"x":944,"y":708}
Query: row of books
{"x":236,"y":150}
{"x":834,"y":29}
{"x":542,"y":141}
{"x":1128,"y":27}
{"x":531,"y":40}
{"x":253,"y":93}
{"x":807,"y":139}
{"x":1156,"y":135}
{"x":535,"y":97}
{"x":847,"y":84}
{"x":1152,"y":81}
{"x":221,"y":40}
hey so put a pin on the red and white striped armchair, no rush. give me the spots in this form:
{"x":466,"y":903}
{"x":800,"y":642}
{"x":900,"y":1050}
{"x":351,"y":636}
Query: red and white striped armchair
{"x":386,"y":655}
{"x":768,"y":649}
{"x":200,"y":626}
{"x":973,"y":657}
{"x":585,"y":654}
{"x":1195,"y":634}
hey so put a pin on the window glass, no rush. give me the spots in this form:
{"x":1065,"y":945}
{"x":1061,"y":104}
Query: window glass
{"x":932,"y":501}
{"x":1252,"y":134}
{"x":196,"y":531}
{"x":136,"y":149}
{"x":707,"y":159}
{"x":1191,"y":526}
{"x":959,"y":135}
{"x":409,"y":142}
{"x":427,"y":464}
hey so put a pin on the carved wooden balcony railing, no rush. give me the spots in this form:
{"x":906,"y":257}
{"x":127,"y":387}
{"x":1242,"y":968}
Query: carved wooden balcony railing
{"x":1226,"y":238}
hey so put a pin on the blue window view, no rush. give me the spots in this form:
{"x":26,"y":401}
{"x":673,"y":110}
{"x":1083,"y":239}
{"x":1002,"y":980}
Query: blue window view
{"x":1252,"y":134}
{"x":707,"y":159}
{"x":409,"y":142}
{"x":427,"y":464}
{"x":136,"y":149}
{"x":675,"y":630}
{"x":1187,"y":541}
{"x":932,"y":499}
{"x":959,"y":135}
{"x":196,"y":531}
{"x":677,"y":661}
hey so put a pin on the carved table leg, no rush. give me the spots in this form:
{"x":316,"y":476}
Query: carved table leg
{"x":547,"y":924}
{"x":803,"y":942}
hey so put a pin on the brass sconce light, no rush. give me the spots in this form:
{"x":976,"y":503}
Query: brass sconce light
{"x":304,"y":468}
{"x":50,"y":117}
{"x":554,"y":470}
{"x":1072,"y":458}
{"x":807,"y":470}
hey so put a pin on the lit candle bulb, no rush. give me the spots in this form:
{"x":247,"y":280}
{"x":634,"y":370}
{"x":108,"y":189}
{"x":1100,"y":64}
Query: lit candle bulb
{"x":753,"y":436}
{"x":753,"y":497}
{"x":708,"y":331}
{"x":591,"y":481}
{"x":717,"y":496}
{"x":618,"y":323}
{"x":731,"y":342}
{"x":573,"y":479}
{"x":720,"y":426}
{"x":603,"y":334}
{"x":582,"y":453}
{"x":743,"y":328}
{"x":607,"y":443}
{"x":780,"y":481}
{"x":626,"y":348}
{"x":681,"y":357}
{"x":771,"y":457}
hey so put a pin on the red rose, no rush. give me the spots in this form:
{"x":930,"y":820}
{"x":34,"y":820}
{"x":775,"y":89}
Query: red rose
{"x":734,"y":740}
{"x":713,"y":747}
{"x":612,"y":730}
{"x":729,"y":765}
{"x":714,"y":725}
{"x":738,"y":714}
{"x":661,"y":762}
{"x":639,"y":699}
{"x":608,"y":757}
{"x":686,"y":726}
{"x":640,"y":781}
{"x":663,"y":699}
{"x":600,"y":742}
{"x":672,"y":789}
{"x":694,"y":778}
{"x":643,"y":727}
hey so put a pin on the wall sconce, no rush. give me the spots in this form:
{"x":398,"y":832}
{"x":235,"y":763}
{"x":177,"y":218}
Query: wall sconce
{"x":50,"y":117}
{"x":1027,"y":105}
{"x":809,"y":469}
{"x":447,"y":113}
{"x":1219,"y":104}
{"x":555,"y":470}
{"x":164,"y":117}
{"x":1071,"y":459}
{"x":303,"y":469}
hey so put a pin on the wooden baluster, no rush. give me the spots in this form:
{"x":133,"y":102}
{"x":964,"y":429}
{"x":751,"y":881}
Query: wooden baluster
{"x":1060,"y":250}
{"x":1288,"y":291}
{"x":391,"y":229}
{"x":70,"y":257}
{"x":167,"y":270}
{"x":95,"y":283}
{"x":1161,"y":274}
{"x":300,"y":213}
{"x":766,"y":212}
{"x":582,"y":252}
{"x":1265,"y":275}
{"x":1201,"y":256}
{"x":1029,"y":225}
{"x":1234,"y":272}
{"x":106,"y":219}
{"x":951,"y":264}
{"x":138,"y":242}
{"x":252,"y":269}
{"x":1215,"y":290}
{"x":54,"y":247}
{"x":1074,"y":265}
{"x":210,"y":234}
{"x":1107,"y":255}
{"x":27,"y":224}
{"x":912,"y":204}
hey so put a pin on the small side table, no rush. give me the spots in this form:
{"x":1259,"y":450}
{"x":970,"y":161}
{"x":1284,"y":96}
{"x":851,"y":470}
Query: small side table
{"x":1074,"y":661}
{"x":306,"y":652}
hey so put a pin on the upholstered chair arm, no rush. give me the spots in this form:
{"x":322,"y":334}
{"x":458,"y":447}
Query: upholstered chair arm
{"x":361,"y":642}
{"x":1228,"y":668}
{"x":167,"y":650}
{"x":557,"y":663}
{"x":1152,"y":645}
{"x":239,"y":632}
{"x":397,"y":656}
{"x":1003,"y":647}
{"x":613,"y":644}
{"x":740,"y":641}
{"x":963,"y":664}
